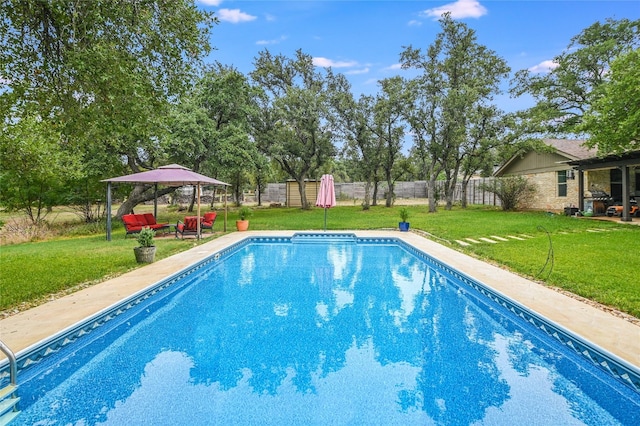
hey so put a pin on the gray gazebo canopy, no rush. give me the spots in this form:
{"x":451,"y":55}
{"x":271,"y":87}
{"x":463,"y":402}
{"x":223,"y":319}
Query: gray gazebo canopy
{"x":171,"y":175}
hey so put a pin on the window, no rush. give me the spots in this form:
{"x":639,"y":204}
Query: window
{"x":562,"y":183}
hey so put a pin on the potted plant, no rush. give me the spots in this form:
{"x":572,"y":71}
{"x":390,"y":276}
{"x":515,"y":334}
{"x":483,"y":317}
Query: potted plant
{"x":242,"y":224}
{"x":404,"y":216}
{"x":146,"y":251}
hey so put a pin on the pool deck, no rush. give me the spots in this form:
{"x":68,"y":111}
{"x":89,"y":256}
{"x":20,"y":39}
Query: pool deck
{"x":611,"y":333}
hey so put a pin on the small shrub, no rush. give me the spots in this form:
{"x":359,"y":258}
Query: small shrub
{"x":513,"y":191}
{"x":404,"y":214}
{"x":145,"y":237}
{"x":244,"y":213}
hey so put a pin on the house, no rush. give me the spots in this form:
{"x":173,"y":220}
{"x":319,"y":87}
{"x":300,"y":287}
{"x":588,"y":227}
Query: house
{"x":554,"y":179}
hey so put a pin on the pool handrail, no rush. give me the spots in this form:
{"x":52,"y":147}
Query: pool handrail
{"x":13,"y":365}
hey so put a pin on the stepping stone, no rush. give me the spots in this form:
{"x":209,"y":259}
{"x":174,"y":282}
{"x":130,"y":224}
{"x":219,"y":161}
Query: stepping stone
{"x":463,"y":243}
{"x":471,"y":240}
{"x":596,"y":230}
{"x":526,"y":236}
{"x":495,"y":237}
{"x":487,"y":240}
{"x":515,"y":238}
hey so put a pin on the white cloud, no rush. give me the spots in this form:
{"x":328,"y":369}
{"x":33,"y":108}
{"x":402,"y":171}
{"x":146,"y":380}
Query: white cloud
{"x":356,"y":72}
{"x":395,"y":67}
{"x":274,"y":41}
{"x":459,"y":9}
{"x":234,"y":16}
{"x":414,"y":23}
{"x":324,"y":62}
{"x":270,"y":17}
{"x":210,"y":2}
{"x":543,"y":67}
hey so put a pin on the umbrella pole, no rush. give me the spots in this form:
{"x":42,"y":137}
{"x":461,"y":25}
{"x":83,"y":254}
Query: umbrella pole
{"x":325,"y":218}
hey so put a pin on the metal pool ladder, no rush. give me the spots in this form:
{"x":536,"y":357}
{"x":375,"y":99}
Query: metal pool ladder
{"x":8,"y":395}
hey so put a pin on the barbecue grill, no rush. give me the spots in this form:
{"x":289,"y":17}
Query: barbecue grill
{"x":599,"y":201}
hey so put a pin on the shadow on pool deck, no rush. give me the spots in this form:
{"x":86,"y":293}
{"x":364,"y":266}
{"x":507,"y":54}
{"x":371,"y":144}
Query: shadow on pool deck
{"x":614,"y":334}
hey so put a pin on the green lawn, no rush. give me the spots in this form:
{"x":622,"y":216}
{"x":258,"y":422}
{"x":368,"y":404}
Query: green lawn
{"x":594,"y":259}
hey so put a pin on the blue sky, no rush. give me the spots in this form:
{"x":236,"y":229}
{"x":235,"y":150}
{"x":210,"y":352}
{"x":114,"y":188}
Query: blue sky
{"x":363,"y":39}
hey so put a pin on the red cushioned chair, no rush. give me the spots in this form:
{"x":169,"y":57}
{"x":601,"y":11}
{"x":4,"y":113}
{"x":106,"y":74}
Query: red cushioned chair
{"x":188,"y":227}
{"x":208,"y":220}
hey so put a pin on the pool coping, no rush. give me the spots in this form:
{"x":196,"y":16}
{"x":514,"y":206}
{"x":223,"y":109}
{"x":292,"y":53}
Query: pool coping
{"x":606,"y":331}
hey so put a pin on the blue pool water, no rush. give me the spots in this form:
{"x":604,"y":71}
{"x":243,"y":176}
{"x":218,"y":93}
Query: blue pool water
{"x":274,"y":332}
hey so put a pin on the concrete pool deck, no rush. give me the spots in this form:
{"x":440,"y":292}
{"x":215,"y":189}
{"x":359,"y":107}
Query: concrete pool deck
{"x":611,"y":333}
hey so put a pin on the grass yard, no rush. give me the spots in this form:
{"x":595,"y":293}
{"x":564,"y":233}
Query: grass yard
{"x":594,"y":259}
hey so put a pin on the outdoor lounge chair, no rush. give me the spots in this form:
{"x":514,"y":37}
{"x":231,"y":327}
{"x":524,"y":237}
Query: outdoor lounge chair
{"x":133,"y":223}
{"x":208,"y":220}
{"x":188,"y":227}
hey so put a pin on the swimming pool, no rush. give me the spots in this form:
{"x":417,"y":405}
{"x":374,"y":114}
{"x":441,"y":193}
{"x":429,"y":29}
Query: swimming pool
{"x":312,"y":329}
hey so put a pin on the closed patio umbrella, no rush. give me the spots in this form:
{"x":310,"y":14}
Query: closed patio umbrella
{"x":326,"y":195}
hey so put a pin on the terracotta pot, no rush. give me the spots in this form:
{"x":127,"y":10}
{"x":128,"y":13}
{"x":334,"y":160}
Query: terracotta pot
{"x":145,"y":254}
{"x":242,"y":225}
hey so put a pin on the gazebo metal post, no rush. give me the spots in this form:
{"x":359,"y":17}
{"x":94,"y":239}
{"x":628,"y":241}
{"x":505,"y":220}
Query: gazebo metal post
{"x":198,"y":195}
{"x":225,"y":209}
{"x":155,"y":200}
{"x":108,"y":211}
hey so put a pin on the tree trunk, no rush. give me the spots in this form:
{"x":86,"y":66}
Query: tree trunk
{"x":389,"y":200}
{"x":374,"y":202}
{"x":303,"y":195}
{"x":431,"y":189}
{"x":463,"y":194}
{"x":366,"y":203}
{"x":193,"y":200}
{"x":139,"y":194}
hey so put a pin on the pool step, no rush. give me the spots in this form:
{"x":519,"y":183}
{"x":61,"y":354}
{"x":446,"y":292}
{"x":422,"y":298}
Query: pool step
{"x":8,"y":404}
{"x":324,"y":237}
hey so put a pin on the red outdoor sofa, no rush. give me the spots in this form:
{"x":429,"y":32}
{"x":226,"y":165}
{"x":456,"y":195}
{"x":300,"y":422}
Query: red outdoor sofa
{"x":133,"y":223}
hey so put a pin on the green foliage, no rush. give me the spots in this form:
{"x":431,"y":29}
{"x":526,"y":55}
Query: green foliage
{"x":613,"y":121}
{"x":404,"y":214}
{"x":293,"y":126}
{"x":570,"y":88}
{"x":101,"y":74}
{"x":244,"y":213}
{"x":34,"y":167}
{"x":452,"y":117}
{"x":145,"y":237}
{"x":215,"y":118}
{"x":513,"y":191}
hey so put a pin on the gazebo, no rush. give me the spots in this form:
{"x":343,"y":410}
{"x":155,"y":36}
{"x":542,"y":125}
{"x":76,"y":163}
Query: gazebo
{"x":170,"y":175}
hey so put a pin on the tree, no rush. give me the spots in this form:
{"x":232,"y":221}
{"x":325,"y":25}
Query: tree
{"x":389,"y":128}
{"x":565,"y":93}
{"x":210,"y":128}
{"x":613,"y":120}
{"x":354,"y":123}
{"x":102,"y":72}
{"x":454,"y":96}
{"x":34,"y":168}
{"x":293,"y":128}
{"x":485,"y":136}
